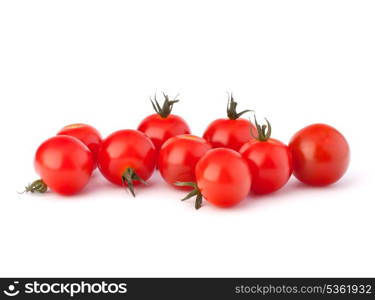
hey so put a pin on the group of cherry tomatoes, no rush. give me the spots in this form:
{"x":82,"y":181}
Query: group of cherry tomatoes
{"x":234,"y":157}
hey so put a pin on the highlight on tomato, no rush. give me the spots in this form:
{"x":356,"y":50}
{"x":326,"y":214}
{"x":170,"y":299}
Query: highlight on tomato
{"x":87,"y":134}
{"x":223,"y":178}
{"x":232,"y":132}
{"x":64,"y":165}
{"x":269,"y":160}
{"x":320,"y":155}
{"x":127,"y":158}
{"x":178,"y":157}
{"x":162,"y":125}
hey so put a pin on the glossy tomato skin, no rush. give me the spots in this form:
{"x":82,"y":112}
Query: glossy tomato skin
{"x":64,"y":164}
{"x":320,"y":155}
{"x":270,"y":163}
{"x":223,"y":177}
{"x":86,"y":134}
{"x":126,"y":149}
{"x":178,"y":157}
{"x":160,"y":129}
{"x":229,"y":133}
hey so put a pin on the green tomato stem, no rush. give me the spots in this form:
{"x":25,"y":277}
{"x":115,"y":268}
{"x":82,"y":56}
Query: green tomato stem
{"x":194,"y":193}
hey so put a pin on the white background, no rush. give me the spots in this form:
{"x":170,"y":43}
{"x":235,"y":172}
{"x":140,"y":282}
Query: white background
{"x":296,"y":62}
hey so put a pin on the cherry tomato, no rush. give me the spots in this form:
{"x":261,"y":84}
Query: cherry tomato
{"x":269,"y":160}
{"x":127,"y":158}
{"x":232,"y":132}
{"x":223,"y":178}
{"x":86,"y":134}
{"x":64,"y":164}
{"x":178,"y":157}
{"x":163,"y":125}
{"x":320,"y":155}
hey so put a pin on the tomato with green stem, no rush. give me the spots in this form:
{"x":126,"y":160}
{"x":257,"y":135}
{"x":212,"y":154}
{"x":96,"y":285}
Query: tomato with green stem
{"x":162,"y":125}
{"x":269,"y":160}
{"x":320,"y":154}
{"x":223,"y":178}
{"x":127,"y":158}
{"x":87,"y":134}
{"x":64,"y":165}
{"x":178,"y":157}
{"x":232,"y":132}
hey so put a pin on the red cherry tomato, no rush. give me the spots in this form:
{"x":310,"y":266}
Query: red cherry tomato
{"x":229,"y":133}
{"x":178,"y":157}
{"x":127,"y":157}
{"x":223,"y":178}
{"x":86,"y":134}
{"x":269,"y":161}
{"x":64,"y":164}
{"x":320,"y":155}
{"x":163,"y":125}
